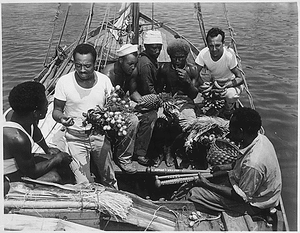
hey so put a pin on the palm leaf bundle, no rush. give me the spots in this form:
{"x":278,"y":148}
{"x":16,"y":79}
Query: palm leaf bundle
{"x":205,"y":128}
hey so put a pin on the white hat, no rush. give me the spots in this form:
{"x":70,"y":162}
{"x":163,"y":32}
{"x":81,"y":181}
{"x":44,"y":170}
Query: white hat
{"x":127,"y":49}
{"x":153,"y":37}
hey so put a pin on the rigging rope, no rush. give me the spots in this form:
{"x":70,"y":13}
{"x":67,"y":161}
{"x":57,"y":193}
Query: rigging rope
{"x":64,"y":25}
{"x":101,"y":53}
{"x":233,"y":43}
{"x":106,"y":15}
{"x":91,"y":13}
{"x":201,"y":22}
{"x":68,"y":59}
{"x":53,"y":30}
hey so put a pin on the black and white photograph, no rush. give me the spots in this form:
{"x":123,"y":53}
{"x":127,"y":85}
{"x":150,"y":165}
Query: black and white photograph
{"x":149,"y":116}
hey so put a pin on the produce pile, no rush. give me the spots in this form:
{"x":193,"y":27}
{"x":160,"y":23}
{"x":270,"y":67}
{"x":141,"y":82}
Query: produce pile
{"x":111,"y":119}
{"x":204,"y":130}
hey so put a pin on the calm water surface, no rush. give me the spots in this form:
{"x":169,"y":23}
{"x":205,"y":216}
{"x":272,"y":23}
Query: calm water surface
{"x":266,"y":35}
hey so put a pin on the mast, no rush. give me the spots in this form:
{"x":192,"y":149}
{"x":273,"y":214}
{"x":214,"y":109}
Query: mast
{"x":135,"y":22}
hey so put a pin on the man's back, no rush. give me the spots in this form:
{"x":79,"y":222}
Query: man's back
{"x":258,"y":174}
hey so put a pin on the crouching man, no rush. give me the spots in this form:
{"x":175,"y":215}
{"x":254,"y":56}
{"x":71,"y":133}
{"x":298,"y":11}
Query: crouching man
{"x":255,"y":180}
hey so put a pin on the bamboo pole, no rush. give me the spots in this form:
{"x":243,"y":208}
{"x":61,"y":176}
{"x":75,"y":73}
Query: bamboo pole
{"x":50,"y":204}
{"x":159,"y":183}
{"x":177,"y":176}
{"x":152,"y":170}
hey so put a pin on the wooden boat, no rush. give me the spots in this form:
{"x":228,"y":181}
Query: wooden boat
{"x":152,"y":207}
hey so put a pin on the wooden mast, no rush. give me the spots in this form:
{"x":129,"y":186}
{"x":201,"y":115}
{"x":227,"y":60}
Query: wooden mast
{"x":135,"y":22}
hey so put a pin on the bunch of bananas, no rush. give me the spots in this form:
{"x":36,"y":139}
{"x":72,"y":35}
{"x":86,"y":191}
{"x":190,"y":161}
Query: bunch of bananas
{"x":213,"y":98}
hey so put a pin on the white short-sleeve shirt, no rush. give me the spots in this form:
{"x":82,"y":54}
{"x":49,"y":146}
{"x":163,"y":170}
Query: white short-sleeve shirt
{"x":78,"y":99}
{"x":221,"y":69}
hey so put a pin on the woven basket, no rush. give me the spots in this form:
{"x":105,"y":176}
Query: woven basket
{"x":222,"y":152}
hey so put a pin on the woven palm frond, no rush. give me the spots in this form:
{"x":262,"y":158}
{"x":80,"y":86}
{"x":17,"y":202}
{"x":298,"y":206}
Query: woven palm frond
{"x":222,"y":152}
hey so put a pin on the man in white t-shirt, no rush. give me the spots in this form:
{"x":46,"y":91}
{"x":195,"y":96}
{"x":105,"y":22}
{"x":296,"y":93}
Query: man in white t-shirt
{"x":222,"y":64}
{"x":76,"y":93}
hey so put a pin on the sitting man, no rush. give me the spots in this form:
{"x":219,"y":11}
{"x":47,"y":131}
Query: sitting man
{"x":120,"y":74}
{"x":143,"y":84}
{"x":222,"y":64}
{"x":181,"y":79}
{"x":29,"y":104}
{"x":255,"y":180}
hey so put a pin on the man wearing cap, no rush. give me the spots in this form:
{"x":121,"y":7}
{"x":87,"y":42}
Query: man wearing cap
{"x":120,"y":74}
{"x":144,"y":83}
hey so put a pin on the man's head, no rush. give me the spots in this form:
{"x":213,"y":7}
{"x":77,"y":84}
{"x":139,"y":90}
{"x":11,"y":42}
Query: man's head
{"x":128,"y":57}
{"x":29,"y":97}
{"x":153,"y":43}
{"x":84,"y":56}
{"x":244,"y":123}
{"x":178,"y":50}
{"x":215,"y":39}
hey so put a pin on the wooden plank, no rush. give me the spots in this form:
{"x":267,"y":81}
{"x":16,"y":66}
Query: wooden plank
{"x":136,"y":217}
{"x":86,"y":218}
{"x":13,"y":222}
{"x":234,"y":223}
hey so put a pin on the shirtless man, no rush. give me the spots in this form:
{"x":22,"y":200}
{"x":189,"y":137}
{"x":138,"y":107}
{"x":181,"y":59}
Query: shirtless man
{"x":29,"y":104}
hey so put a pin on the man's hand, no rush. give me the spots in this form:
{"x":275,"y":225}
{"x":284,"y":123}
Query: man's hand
{"x":221,"y":90}
{"x":53,"y":151}
{"x":182,"y":191}
{"x":201,"y":181}
{"x":67,"y":121}
{"x":183,"y":76}
{"x":63,"y":157}
{"x":223,"y":167}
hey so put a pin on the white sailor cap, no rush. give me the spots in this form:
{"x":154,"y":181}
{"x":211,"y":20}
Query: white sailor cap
{"x":127,"y":49}
{"x":153,"y":37}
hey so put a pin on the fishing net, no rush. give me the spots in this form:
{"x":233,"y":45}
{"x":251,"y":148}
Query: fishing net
{"x":221,"y":152}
